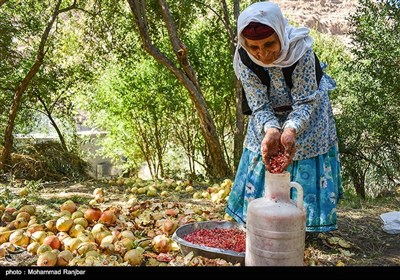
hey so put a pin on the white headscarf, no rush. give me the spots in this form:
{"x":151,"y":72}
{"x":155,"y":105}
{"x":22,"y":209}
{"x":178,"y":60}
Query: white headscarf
{"x":294,"y":41}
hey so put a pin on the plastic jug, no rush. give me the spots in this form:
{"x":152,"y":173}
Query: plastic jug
{"x":275,"y":227}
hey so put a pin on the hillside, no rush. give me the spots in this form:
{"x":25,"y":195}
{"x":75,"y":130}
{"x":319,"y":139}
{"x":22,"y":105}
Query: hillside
{"x":325,"y":16}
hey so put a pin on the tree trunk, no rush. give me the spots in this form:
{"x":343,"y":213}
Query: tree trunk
{"x":359,"y":184}
{"x":5,"y":159}
{"x":239,"y":133}
{"x":187,"y":78}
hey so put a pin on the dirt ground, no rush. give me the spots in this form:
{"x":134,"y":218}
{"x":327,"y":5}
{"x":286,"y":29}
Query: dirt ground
{"x":362,"y":229}
{"x":359,"y":241}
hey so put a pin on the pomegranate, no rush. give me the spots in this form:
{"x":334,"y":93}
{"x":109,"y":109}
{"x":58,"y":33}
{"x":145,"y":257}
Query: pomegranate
{"x":92,"y":214}
{"x":108,"y":217}
{"x":52,"y":241}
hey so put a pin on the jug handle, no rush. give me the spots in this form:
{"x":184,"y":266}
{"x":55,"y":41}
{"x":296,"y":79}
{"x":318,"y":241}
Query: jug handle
{"x":299,"y":190}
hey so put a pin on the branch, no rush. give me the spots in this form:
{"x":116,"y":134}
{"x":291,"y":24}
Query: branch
{"x":227,"y":22}
{"x":45,"y":35}
{"x":178,"y":46}
{"x":139,"y":12}
{"x":225,"y":19}
{"x":69,"y":84}
{"x":46,"y":110}
{"x":212,"y":10}
{"x":73,"y":6}
{"x":138,"y":8}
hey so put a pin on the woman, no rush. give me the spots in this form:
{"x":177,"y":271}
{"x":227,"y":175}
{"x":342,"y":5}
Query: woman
{"x":296,"y":120}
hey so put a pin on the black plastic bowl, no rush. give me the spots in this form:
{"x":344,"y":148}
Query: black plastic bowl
{"x":205,"y":251}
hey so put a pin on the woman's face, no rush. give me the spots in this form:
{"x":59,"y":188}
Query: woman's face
{"x":265,"y":50}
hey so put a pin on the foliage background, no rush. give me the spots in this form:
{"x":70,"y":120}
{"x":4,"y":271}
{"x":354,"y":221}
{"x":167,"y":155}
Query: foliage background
{"x":95,"y":64}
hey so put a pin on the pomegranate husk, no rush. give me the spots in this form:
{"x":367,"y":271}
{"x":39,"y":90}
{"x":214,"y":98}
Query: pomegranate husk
{"x":33,"y":228}
{"x":20,"y":223}
{"x":64,"y":223}
{"x":98,"y":191}
{"x":68,"y":205}
{"x":2,"y":252}
{"x":19,"y":238}
{"x":134,"y":257}
{"x":64,"y":257}
{"x":75,"y":230}
{"x":98,"y":227}
{"x":30,"y":209}
{"x":126,"y":234}
{"x":33,"y":247}
{"x":98,"y":236}
{"x":169,"y":227}
{"x":51,"y":225}
{"x":77,"y":214}
{"x":24,"y":215}
{"x":43,"y":248}
{"x":81,"y":221}
{"x":47,"y":258}
{"x":85,"y":247}
{"x":162,"y":244}
{"x":4,"y":234}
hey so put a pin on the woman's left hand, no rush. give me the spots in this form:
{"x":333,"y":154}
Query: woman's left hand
{"x":288,"y":142}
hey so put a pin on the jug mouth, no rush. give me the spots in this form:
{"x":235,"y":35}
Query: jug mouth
{"x":283,"y":174}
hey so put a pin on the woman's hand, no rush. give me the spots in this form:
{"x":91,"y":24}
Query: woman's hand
{"x":270,"y":146}
{"x":288,"y":142}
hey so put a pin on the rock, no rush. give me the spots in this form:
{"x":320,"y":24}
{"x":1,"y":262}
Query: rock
{"x":326,"y":16}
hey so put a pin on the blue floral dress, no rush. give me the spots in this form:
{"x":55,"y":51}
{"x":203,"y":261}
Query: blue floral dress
{"x":316,"y":165}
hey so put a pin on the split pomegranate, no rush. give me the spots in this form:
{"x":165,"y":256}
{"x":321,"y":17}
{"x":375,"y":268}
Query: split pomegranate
{"x":223,"y":238}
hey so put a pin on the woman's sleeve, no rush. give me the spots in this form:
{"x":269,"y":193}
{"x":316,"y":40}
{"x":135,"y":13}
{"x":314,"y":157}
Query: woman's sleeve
{"x":257,"y":98}
{"x":305,"y":93}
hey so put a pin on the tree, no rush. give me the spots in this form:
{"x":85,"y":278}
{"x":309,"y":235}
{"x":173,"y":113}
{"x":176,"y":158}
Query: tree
{"x":369,"y":124}
{"x":240,"y":119}
{"x":185,"y":75}
{"x":24,"y":83}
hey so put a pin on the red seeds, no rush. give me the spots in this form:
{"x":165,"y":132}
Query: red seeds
{"x":277,"y":162}
{"x":223,"y":238}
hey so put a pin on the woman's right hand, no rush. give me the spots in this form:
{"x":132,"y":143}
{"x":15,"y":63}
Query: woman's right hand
{"x":270,"y":146}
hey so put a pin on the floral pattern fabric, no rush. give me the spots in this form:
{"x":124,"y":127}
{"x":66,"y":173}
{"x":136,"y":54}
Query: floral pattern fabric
{"x":316,"y":165}
{"x":319,"y":177}
{"x":312,"y":115}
